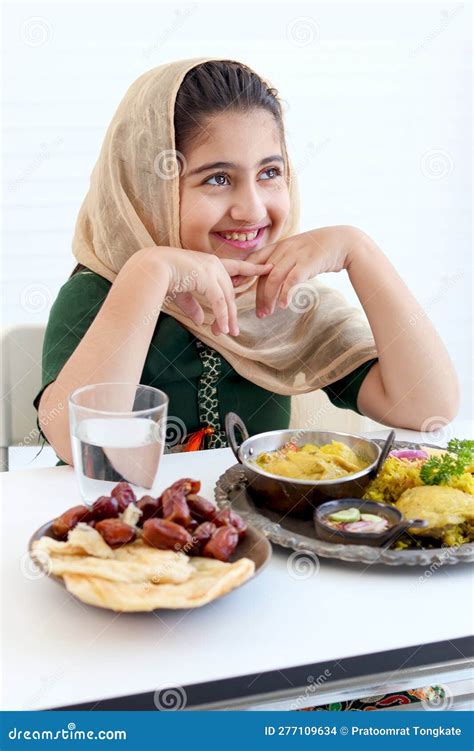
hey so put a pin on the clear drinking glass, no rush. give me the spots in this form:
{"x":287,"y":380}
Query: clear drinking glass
{"x":118,"y":432}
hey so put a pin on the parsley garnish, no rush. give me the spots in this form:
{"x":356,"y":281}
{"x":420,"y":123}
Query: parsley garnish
{"x":438,"y":470}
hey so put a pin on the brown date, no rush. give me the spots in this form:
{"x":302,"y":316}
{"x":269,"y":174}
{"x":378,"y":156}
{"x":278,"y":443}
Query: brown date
{"x":150,"y":507}
{"x":69,"y":519}
{"x":115,"y":532}
{"x":124,"y":495}
{"x":186,"y":486}
{"x":166,"y":535}
{"x":175,"y":507}
{"x":222,"y":544}
{"x":201,"y":536}
{"x":200,"y":508}
{"x":227,"y":517}
{"x":105,"y":507}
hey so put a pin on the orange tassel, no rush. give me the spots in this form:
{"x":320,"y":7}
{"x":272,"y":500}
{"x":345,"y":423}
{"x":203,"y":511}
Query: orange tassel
{"x":196,"y":440}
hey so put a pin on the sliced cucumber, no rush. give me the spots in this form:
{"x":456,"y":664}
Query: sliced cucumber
{"x":371,"y":518}
{"x":347,"y":515}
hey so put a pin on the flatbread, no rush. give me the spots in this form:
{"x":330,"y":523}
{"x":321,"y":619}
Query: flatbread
{"x":134,"y":562}
{"x":136,"y":577}
{"x":131,"y":515}
{"x":209,"y":580}
{"x":159,"y":569}
{"x":82,"y":540}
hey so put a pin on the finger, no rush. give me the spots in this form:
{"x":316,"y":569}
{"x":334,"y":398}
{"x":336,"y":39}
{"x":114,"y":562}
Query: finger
{"x":231,"y":307}
{"x":245,"y":268}
{"x":238,"y":280}
{"x":215,"y":328}
{"x":254,"y":269}
{"x":219,"y":305}
{"x":294,"y":277}
{"x":227,"y":319}
{"x":190,"y":306}
{"x":234,"y":329}
{"x":263,"y":255}
{"x":270,"y":288}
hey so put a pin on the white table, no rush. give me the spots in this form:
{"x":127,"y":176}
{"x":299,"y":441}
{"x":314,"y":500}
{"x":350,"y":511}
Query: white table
{"x":277,"y":629}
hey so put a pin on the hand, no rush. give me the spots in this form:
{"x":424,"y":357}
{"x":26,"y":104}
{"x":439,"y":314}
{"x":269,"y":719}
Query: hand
{"x":299,"y":258}
{"x":193,"y":271}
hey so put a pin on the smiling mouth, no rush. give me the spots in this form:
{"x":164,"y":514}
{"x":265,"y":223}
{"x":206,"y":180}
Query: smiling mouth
{"x":237,"y":243}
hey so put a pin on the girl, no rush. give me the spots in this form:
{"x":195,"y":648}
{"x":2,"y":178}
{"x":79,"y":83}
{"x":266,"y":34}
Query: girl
{"x":192,"y":275}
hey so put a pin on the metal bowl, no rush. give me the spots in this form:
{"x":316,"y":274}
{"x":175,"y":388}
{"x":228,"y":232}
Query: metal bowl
{"x":396,"y":521}
{"x":300,"y":497}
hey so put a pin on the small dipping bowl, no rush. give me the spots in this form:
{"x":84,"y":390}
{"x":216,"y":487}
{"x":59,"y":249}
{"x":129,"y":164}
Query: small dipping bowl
{"x":397,"y":523}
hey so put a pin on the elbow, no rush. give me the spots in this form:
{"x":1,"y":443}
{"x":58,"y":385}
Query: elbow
{"x":65,"y":456}
{"x":54,"y":424}
{"x":440,"y":414}
{"x":430,"y":417}
{"x":426,"y":411}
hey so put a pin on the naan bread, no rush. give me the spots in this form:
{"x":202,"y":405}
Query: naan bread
{"x":82,"y":540}
{"x":136,"y":577}
{"x":158,"y":569}
{"x":209,"y":579}
{"x":131,"y":515}
{"x":134,"y":562}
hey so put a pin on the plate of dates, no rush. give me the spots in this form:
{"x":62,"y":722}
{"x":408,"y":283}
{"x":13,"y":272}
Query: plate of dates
{"x":178,"y":550}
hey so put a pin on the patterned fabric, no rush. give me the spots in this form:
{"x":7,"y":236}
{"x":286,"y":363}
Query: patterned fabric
{"x":208,"y":403}
{"x":434,"y":696}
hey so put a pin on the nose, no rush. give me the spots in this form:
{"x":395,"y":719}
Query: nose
{"x":248,"y":206}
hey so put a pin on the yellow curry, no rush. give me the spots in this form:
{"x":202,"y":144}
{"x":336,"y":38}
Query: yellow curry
{"x":310,"y":462}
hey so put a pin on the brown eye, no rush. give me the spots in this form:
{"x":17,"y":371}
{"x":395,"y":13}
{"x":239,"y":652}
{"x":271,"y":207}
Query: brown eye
{"x":273,"y":169}
{"x":212,"y":177}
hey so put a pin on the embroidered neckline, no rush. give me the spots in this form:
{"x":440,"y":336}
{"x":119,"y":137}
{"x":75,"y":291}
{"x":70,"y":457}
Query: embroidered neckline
{"x":208,"y":403}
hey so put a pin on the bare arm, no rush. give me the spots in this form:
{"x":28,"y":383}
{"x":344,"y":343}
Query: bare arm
{"x":414,"y":383}
{"x":114,"y":348}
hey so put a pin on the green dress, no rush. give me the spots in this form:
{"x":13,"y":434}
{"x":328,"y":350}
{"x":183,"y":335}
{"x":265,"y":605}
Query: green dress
{"x":201,"y":385}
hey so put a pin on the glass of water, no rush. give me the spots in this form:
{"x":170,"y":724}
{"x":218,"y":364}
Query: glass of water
{"x":118,"y":432}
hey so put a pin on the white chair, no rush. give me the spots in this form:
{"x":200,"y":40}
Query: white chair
{"x":20,"y":374}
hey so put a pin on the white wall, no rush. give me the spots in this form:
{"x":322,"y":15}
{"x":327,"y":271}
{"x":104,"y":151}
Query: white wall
{"x":378,"y":121}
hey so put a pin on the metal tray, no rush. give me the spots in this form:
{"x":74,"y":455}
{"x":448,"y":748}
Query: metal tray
{"x":298,"y":534}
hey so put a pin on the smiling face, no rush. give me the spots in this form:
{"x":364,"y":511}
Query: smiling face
{"x":248,"y":193}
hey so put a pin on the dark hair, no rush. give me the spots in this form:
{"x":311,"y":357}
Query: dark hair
{"x":218,"y":86}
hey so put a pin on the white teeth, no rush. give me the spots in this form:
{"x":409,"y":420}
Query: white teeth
{"x":240,"y":236}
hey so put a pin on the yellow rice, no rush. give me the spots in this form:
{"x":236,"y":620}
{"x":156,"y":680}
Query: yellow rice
{"x":397,"y":475}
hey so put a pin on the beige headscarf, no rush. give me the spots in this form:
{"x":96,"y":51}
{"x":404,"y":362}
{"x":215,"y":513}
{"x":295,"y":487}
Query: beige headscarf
{"x":133,"y":202}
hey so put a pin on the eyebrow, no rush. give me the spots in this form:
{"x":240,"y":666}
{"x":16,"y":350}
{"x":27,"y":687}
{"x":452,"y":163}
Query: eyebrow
{"x":232,"y":165}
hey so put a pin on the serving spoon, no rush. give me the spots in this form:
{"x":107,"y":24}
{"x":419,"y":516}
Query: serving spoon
{"x":386,"y":448}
